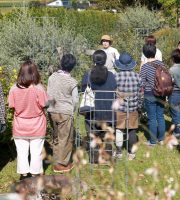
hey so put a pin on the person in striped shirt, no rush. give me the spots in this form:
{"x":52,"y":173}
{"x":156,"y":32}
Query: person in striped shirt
{"x":153,"y":105}
{"x":63,"y":95}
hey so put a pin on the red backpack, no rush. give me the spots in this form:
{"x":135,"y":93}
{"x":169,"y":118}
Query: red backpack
{"x":163,"y":83}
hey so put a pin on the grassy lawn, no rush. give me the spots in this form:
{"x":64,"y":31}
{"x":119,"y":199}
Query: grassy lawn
{"x":153,"y":171}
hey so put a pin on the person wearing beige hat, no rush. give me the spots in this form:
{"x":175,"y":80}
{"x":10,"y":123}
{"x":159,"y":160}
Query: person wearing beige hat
{"x":111,"y":52}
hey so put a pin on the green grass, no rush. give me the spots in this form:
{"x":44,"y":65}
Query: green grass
{"x":165,"y":161}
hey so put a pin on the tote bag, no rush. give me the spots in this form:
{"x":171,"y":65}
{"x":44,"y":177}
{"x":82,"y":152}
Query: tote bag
{"x":87,"y":102}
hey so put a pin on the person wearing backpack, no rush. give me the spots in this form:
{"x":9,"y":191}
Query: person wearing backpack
{"x":174,"y":99}
{"x":154,"y":104}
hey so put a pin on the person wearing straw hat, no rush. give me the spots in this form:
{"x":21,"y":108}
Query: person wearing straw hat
{"x":111,"y":52}
{"x":129,"y":98}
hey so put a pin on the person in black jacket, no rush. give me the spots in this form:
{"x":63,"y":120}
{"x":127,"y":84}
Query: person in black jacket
{"x":103,"y":83}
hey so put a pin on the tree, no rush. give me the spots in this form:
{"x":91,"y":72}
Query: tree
{"x":119,"y":4}
{"x":108,"y":4}
{"x":171,"y":9}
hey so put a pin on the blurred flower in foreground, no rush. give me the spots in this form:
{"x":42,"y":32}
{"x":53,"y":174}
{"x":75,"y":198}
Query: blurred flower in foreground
{"x":134,"y":148}
{"x":170,"y":139}
{"x":153,"y":171}
{"x":170,"y":193}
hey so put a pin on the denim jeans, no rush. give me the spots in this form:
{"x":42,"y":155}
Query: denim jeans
{"x":174,"y":101}
{"x":156,"y":122}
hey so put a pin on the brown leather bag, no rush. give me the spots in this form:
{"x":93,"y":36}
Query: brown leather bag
{"x":163,"y":83}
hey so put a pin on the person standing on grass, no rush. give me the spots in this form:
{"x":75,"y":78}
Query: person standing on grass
{"x":28,"y":99}
{"x":154,"y":105}
{"x":62,"y":90}
{"x":174,"y":99}
{"x":2,"y":111}
{"x":111,"y":52}
{"x":103,"y":83}
{"x":129,"y":86}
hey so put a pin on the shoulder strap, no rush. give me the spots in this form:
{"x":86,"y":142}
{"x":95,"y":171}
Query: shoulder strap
{"x":88,"y":80}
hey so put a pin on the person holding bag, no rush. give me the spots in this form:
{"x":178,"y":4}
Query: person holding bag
{"x":103,"y":83}
{"x":28,"y":99}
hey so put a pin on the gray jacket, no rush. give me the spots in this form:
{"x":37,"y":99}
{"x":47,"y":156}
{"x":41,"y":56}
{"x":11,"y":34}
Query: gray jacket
{"x":175,"y":72}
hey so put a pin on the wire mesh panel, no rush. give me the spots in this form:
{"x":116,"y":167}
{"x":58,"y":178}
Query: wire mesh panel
{"x":143,"y":32}
{"x":96,"y":136}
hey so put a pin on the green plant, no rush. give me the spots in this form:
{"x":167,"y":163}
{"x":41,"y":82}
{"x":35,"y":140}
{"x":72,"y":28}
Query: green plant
{"x":25,"y":37}
{"x":167,"y":41}
{"x":138,"y":17}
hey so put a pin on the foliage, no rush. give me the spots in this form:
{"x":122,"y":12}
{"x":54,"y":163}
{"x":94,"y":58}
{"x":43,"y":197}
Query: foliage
{"x":167,"y":41}
{"x":169,"y":3}
{"x":8,"y":78}
{"x":108,"y":5}
{"x":129,"y":42}
{"x":125,"y":36}
{"x":170,"y":8}
{"x":120,"y":4}
{"x":90,"y":24}
{"x":139,"y":17}
{"x":25,"y":38}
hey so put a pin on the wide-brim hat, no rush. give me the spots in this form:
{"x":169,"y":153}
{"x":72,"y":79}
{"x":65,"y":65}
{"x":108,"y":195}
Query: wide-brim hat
{"x":107,"y":38}
{"x":125,"y":62}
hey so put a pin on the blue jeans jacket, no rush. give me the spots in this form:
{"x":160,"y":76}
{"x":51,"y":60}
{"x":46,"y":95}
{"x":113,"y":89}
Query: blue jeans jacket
{"x":156,"y":122}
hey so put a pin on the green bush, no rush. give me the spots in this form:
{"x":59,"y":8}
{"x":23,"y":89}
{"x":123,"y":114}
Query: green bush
{"x":90,"y":24}
{"x":167,"y":41}
{"x":25,"y":38}
{"x":139,"y":17}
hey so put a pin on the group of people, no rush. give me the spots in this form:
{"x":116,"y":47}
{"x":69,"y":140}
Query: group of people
{"x":118,"y":84}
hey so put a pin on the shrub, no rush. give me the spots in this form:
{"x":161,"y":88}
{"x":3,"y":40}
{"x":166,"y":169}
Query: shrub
{"x":167,"y":41}
{"x":90,"y":24}
{"x":139,"y":17}
{"x":24,"y":37}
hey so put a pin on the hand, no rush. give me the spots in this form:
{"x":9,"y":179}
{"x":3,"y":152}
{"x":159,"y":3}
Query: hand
{"x":2,"y":128}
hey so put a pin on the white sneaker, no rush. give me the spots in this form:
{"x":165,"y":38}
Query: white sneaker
{"x":131,"y":156}
{"x":149,"y":144}
{"x":161,"y":143}
{"x":117,"y":155}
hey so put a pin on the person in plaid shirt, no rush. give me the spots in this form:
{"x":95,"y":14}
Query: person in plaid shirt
{"x":2,"y":111}
{"x":130,"y":98}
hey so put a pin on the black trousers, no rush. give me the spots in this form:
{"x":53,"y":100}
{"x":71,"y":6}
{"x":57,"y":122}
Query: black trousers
{"x":128,"y":142}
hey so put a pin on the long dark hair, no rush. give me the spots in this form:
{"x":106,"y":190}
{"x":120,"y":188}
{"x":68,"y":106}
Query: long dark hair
{"x":28,"y":74}
{"x":99,"y":72}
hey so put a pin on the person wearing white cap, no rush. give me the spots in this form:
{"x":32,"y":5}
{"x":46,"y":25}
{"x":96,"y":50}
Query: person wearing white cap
{"x":111,"y":52}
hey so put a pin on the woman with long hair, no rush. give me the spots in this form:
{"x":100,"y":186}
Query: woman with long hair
{"x":28,"y":99}
{"x":103,"y":83}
